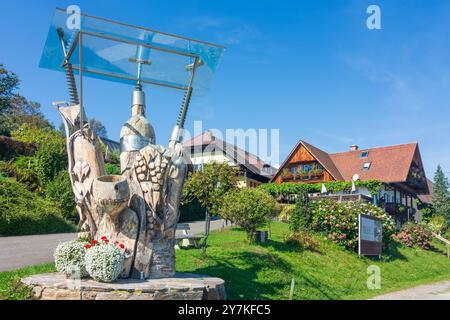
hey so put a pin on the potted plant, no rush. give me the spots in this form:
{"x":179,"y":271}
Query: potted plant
{"x":104,"y":260}
{"x":70,"y":258}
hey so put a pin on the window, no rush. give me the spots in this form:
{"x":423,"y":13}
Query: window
{"x":366,"y":166}
{"x":364,"y":154}
{"x":319,"y":166}
{"x":293,"y":169}
{"x":307,"y":167}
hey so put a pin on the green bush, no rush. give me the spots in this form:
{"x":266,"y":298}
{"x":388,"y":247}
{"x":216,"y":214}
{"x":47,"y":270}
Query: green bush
{"x":301,"y":217}
{"x":112,"y":169}
{"x":51,"y":157}
{"x":339,"y":220}
{"x":286,"y":212}
{"x":23,"y":212}
{"x":249,"y":209}
{"x":437,"y":224}
{"x":59,"y":190}
{"x":289,"y":188}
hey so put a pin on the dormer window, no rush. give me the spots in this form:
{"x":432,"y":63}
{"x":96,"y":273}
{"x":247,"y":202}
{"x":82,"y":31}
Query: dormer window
{"x":364,"y":154}
{"x":366,"y":166}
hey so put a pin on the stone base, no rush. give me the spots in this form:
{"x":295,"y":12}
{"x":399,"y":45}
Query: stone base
{"x":183,"y":286}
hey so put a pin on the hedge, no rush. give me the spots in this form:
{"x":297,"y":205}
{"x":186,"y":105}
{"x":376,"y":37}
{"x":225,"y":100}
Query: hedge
{"x":288,"y":188}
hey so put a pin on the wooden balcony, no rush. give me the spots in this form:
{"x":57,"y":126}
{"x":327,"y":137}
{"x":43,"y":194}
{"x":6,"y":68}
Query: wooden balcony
{"x":343,"y":197}
{"x":397,"y":209}
{"x":301,"y":177}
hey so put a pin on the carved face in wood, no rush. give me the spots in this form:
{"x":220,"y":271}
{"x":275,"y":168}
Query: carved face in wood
{"x":111,"y":193}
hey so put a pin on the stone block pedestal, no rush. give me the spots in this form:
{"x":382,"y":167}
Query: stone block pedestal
{"x":183,"y":286}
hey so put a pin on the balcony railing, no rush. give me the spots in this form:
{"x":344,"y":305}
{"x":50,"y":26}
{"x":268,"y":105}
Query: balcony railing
{"x":343,"y":197}
{"x":398,"y":209}
{"x":289,"y":176}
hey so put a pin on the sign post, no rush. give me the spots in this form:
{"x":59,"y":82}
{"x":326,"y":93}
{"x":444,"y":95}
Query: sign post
{"x":370,"y":236}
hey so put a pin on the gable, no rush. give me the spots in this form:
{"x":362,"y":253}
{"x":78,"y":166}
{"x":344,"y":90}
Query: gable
{"x":306,"y":153}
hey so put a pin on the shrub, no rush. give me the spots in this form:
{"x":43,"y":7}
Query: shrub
{"x":286,"y":212}
{"x":50,"y":157}
{"x":112,"y":168}
{"x":437,"y":224}
{"x":21,"y":170}
{"x":249,"y":209}
{"x":104,"y":261}
{"x":10,"y":148}
{"x":23,"y":212}
{"x":413,"y":234}
{"x":70,"y":258}
{"x":339,"y":221}
{"x":301,"y":217}
{"x":303,"y":239}
{"x":289,"y":188}
{"x":59,"y":190}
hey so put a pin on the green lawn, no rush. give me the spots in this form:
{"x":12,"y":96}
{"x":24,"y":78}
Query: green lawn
{"x":265,"y":271}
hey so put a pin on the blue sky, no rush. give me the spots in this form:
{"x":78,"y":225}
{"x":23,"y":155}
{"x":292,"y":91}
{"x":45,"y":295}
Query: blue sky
{"x":310,"y":68}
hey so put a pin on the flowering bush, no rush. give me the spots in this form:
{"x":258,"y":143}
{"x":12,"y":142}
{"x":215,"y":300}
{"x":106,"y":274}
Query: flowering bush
{"x":104,"y":260}
{"x":339,"y":220}
{"x":70,"y":258}
{"x":413,"y":234}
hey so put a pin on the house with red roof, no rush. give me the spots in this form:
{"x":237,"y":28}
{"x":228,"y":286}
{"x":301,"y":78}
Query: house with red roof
{"x":399,"y":167}
{"x":206,"y":147}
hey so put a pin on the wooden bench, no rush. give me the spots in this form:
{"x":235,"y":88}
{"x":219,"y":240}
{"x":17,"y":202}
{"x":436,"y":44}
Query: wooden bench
{"x":185,"y":238}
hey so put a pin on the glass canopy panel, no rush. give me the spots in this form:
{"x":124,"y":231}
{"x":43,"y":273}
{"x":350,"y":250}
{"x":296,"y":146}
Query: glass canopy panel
{"x":112,"y":50}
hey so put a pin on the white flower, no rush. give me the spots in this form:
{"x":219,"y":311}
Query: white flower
{"x":104,"y":262}
{"x":69,"y":258}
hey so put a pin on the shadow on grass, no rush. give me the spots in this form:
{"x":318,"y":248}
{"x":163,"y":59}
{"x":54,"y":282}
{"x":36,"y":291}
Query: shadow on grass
{"x":254,"y":275}
{"x":287,"y":246}
{"x":438,"y":250}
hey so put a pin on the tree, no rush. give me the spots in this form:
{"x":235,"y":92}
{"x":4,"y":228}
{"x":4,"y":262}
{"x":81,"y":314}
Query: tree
{"x":441,"y":195}
{"x":98,"y":128}
{"x":16,"y":110}
{"x":210,"y":185}
{"x":249,"y":209}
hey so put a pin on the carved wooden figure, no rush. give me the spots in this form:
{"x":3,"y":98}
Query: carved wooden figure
{"x":139,"y":208}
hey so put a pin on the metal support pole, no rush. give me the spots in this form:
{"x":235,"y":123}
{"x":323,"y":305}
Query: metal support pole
{"x":80,"y":51}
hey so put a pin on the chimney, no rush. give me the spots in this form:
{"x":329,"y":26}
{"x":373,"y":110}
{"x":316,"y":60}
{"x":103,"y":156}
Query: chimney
{"x":354,"y":147}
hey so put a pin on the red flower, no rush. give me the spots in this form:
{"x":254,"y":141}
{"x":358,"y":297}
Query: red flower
{"x":121,"y":246}
{"x":94,"y":242}
{"x":104,"y":238}
{"x":116,"y":242}
{"x":106,"y":241}
{"x":87,"y":246}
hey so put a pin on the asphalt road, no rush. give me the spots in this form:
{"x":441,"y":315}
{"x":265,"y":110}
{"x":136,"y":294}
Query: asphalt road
{"x":433,"y":291}
{"x":18,"y":252}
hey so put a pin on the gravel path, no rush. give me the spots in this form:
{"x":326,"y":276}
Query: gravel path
{"x":17,"y":252}
{"x":433,"y":291}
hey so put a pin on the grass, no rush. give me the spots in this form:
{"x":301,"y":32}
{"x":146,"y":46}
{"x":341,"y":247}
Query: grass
{"x":10,"y":287}
{"x":265,"y":271}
